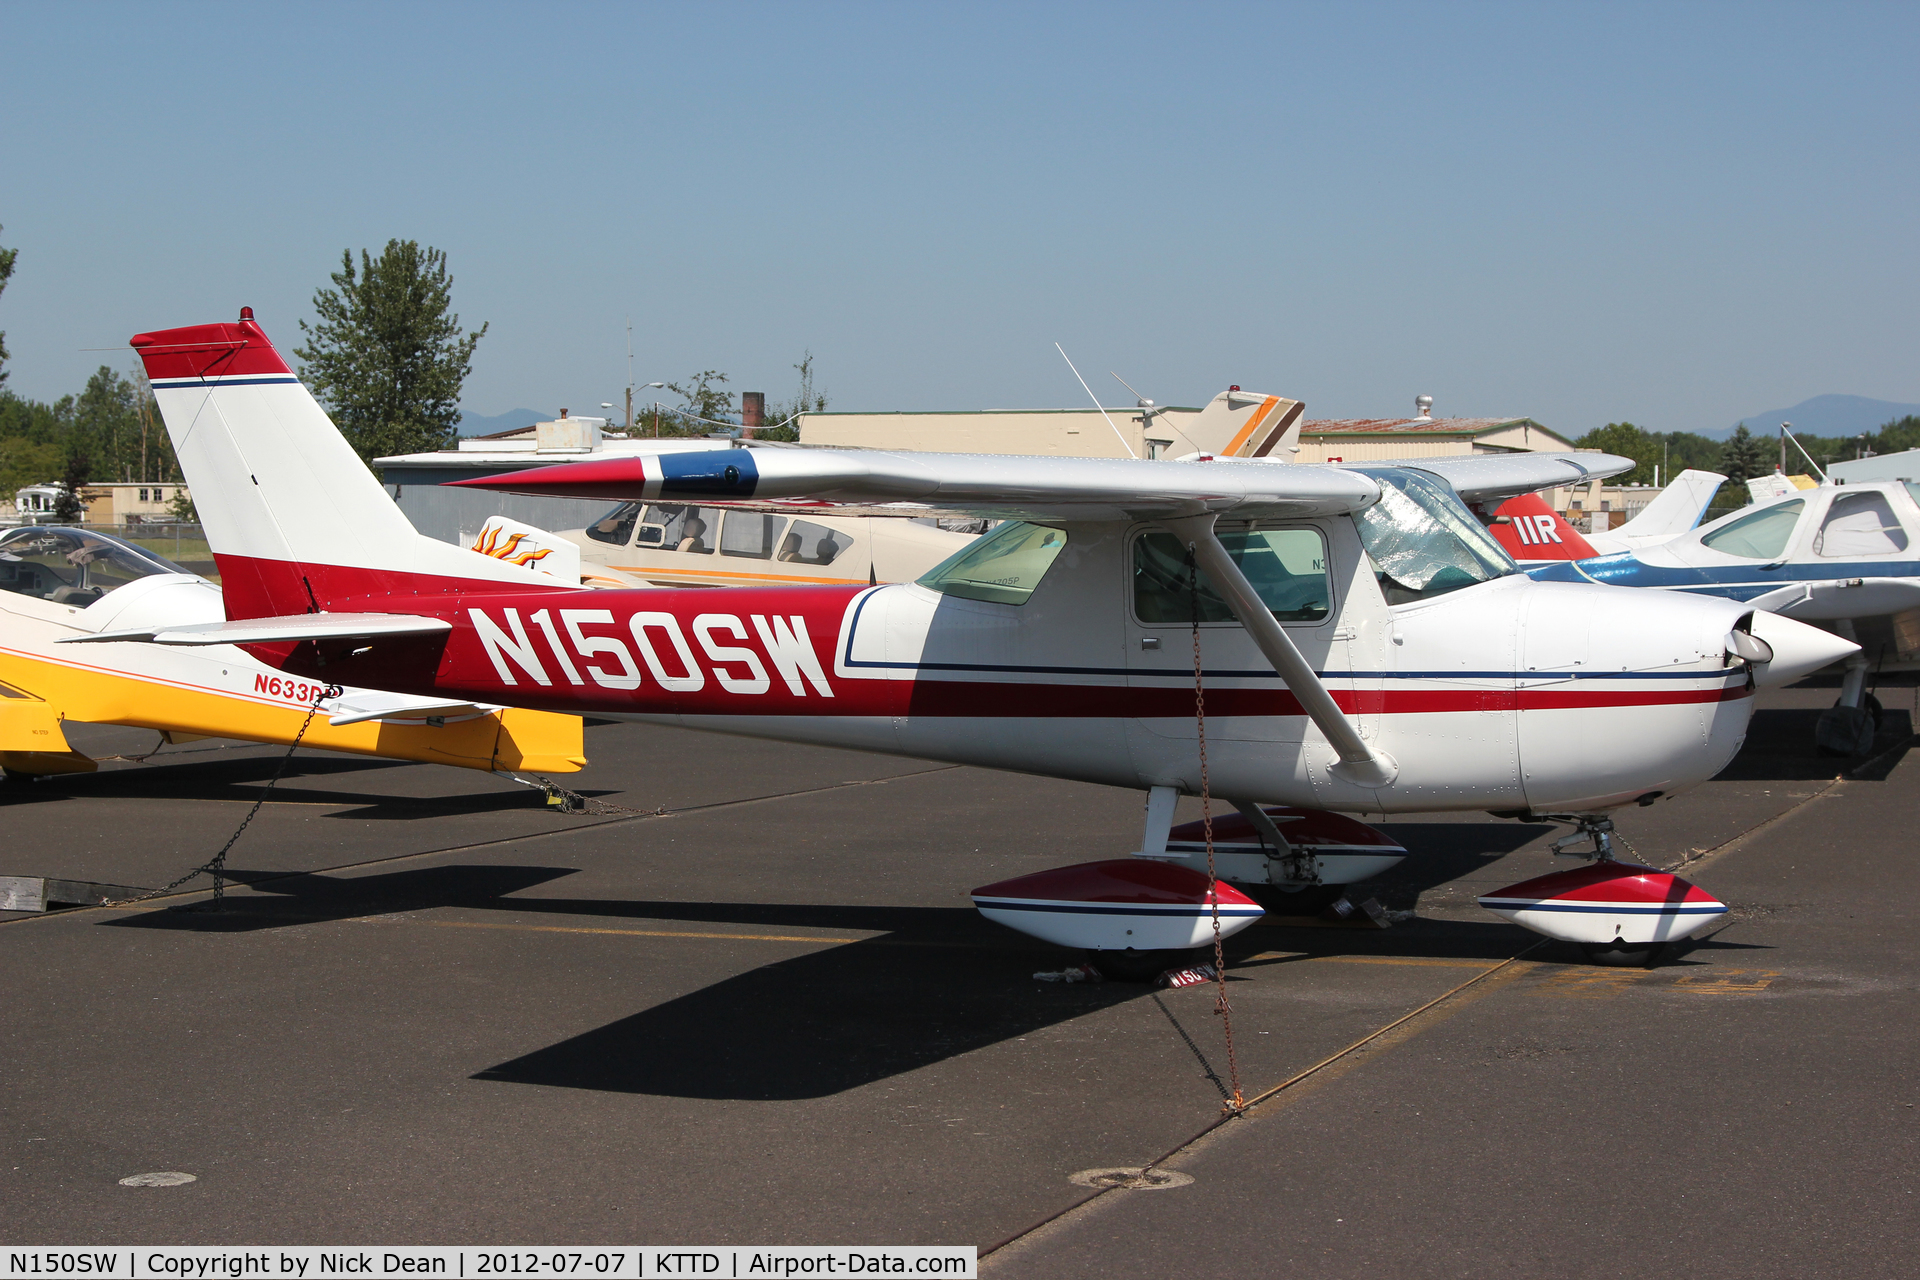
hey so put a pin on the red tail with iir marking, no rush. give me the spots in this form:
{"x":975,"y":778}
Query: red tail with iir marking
{"x":1532,"y":531}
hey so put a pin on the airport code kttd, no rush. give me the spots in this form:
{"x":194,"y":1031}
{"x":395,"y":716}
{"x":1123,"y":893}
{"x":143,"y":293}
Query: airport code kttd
{"x":464,"y":1262}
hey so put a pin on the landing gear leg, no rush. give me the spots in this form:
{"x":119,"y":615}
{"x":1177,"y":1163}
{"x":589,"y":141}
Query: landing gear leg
{"x":1587,"y":826}
{"x":1849,"y":726}
{"x":1618,"y":952}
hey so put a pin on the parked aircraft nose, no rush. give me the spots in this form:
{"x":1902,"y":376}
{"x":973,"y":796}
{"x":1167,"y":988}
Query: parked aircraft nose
{"x":1797,"y":649}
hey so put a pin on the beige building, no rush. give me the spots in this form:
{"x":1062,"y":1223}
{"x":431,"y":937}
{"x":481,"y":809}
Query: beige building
{"x":1052,"y":433}
{"x":1282,"y":430}
{"x":1377,"y":439}
{"x":119,"y":503}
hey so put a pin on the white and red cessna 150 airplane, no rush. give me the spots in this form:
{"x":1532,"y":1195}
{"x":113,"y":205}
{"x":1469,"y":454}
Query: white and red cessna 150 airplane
{"x":1368,"y":647}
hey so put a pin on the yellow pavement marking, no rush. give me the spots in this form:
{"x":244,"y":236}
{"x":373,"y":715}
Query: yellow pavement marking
{"x":1429,"y":962}
{"x":1589,"y":984}
{"x":1721,"y":982}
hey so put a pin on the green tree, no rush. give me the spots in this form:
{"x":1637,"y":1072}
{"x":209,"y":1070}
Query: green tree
{"x":67,"y":508}
{"x":701,"y":396}
{"x":388,"y":355}
{"x":1628,"y":441}
{"x":805,"y":400}
{"x":22,"y":462}
{"x":104,"y":424}
{"x":1744,"y":456}
{"x":6,"y":273}
{"x":1899,"y":435}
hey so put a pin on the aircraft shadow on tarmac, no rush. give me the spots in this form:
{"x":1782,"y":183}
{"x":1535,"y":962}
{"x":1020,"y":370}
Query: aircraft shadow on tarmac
{"x":1779,"y":748}
{"x":241,"y":779}
{"x":934,"y":983}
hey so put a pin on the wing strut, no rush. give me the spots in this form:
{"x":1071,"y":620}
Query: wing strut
{"x":1359,"y":763}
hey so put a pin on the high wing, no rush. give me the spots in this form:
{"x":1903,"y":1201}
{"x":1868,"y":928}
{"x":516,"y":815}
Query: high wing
{"x":882,"y":483}
{"x":1495,"y":477}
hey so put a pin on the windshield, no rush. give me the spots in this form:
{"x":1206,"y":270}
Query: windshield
{"x":1422,"y":539}
{"x":1760,"y":536}
{"x":1003,"y":567}
{"x":616,"y":526}
{"x":72,"y":566}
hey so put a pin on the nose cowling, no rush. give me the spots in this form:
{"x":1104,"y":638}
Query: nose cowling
{"x":1796,"y":649}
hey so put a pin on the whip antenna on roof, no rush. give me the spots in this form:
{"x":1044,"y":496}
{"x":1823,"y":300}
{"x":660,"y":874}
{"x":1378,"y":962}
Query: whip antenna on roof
{"x":1096,"y":402}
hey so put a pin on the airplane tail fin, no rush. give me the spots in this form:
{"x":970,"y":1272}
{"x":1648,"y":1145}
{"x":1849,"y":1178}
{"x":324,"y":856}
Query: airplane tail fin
{"x":1532,"y":531}
{"x":1676,"y":509}
{"x":1238,"y":424}
{"x":296,"y":522}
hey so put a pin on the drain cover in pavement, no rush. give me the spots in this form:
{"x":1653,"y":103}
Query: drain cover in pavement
{"x":1132,"y":1178}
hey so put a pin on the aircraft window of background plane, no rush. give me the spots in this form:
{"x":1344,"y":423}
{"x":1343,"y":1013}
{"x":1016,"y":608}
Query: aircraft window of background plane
{"x":616,"y":526}
{"x":72,"y":566}
{"x":1004,"y":567}
{"x":689,"y":529}
{"x":753,"y":534}
{"x":1859,"y":524}
{"x":1760,"y":536}
{"x":1422,"y":539}
{"x":1287,"y":567}
{"x":810,"y":543}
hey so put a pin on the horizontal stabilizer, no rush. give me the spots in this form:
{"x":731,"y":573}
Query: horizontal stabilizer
{"x":363,"y":705}
{"x":299,"y":626}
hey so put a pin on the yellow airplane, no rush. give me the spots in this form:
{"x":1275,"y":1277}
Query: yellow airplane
{"x":58,"y":582}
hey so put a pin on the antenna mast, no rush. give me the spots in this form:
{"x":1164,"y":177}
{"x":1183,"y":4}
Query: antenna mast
{"x":1096,"y":402}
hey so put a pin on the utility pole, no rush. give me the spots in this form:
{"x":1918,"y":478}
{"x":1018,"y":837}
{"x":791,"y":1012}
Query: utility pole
{"x":629,"y":427}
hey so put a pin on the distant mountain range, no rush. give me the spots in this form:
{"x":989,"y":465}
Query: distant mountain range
{"x":1825,"y":416}
{"x":480,"y":424}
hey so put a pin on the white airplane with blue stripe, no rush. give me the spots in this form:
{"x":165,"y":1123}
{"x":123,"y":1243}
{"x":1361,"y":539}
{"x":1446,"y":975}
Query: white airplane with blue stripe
{"x":1843,"y":557}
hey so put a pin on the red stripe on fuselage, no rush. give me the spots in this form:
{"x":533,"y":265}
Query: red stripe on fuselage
{"x":551,"y":652}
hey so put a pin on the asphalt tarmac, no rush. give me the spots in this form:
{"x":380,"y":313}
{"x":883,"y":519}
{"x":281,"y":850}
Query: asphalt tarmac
{"x":433,"y":1010}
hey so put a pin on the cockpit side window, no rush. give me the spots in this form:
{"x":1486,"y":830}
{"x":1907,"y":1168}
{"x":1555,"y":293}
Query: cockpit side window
{"x":750,"y":533}
{"x":1422,"y":539}
{"x":1859,"y":524}
{"x":691,"y":529}
{"x":810,"y":543}
{"x":1287,"y":568}
{"x":1760,"y":536}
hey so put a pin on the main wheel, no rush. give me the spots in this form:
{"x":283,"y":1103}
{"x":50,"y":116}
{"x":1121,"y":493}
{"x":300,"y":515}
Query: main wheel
{"x":1306,"y":900}
{"x":1625,"y":955}
{"x":1137,"y":966}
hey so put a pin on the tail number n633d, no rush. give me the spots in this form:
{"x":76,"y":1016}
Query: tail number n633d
{"x":663,"y":647}
{"x":285,"y":687}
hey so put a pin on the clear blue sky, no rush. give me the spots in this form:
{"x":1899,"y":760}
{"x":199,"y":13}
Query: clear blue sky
{"x":1674,"y":214}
